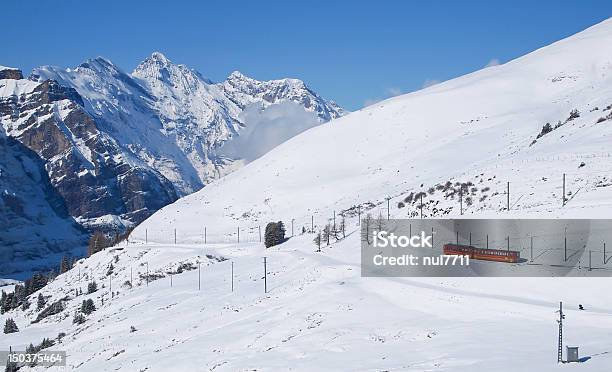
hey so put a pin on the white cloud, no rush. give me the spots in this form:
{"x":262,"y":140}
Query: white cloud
{"x":371,"y":101}
{"x":394,"y":91}
{"x":493,"y":62}
{"x":267,"y":128}
{"x":429,"y":82}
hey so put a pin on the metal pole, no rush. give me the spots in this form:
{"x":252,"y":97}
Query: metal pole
{"x":470,"y":238}
{"x":457,"y":237}
{"x":421,"y":206}
{"x":432,"y":237}
{"x":147,"y":274}
{"x":508,"y":197}
{"x":293,"y":219}
{"x":590,"y":267}
{"x":565,"y":246}
{"x":508,"y":238}
{"x":265,"y":262}
{"x":531,"y":256}
{"x":312,"y":223}
{"x":232,"y":276}
{"x":359,"y":215}
{"x":238,"y":234}
{"x":170,"y":280}
{"x":259,"y":229}
{"x":560,"y":343}
{"x":199,"y":277}
{"x":146,"y":236}
{"x":563,"y":189}
{"x":131,"y":276}
{"x":388,"y":209}
{"x":174,"y":236}
{"x":461,"y":199}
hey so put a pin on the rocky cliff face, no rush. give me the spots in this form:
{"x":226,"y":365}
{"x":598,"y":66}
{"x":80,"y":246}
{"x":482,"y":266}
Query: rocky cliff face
{"x":36,"y":227}
{"x":87,"y":167}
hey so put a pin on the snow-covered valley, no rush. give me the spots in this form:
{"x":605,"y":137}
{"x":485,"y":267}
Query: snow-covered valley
{"x":195,"y":297}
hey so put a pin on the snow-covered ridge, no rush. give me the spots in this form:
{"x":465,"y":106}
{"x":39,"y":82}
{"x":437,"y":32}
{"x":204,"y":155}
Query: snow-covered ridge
{"x":171,"y":117}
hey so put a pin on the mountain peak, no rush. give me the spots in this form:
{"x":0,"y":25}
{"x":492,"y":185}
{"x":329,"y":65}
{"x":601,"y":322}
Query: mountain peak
{"x":159,"y":57}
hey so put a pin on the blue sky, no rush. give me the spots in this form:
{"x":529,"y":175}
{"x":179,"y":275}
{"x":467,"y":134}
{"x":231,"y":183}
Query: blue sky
{"x":350,"y":51}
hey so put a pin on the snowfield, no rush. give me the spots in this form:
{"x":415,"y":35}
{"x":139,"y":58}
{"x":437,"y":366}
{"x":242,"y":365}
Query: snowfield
{"x":319,"y":313}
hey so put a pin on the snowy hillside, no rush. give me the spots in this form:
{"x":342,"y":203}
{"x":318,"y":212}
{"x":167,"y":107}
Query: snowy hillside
{"x":195,"y":297}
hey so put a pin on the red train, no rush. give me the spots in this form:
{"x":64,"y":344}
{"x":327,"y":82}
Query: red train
{"x":482,"y":254}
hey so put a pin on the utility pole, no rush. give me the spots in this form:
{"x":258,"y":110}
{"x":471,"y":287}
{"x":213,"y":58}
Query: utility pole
{"x":265,"y":262}
{"x":421,"y":205}
{"x":564,"y":189}
{"x":565,"y":246}
{"x":388,"y":208}
{"x":560,"y":344}
{"x":508,"y":197}
{"x":461,"y":199}
{"x":334,"y":222}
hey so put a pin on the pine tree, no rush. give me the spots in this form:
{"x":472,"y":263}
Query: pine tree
{"x":317,"y":241}
{"x":274,"y":234}
{"x":10,"y":326}
{"x":326,"y":233}
{"x":2,"y":302}
{"x":88,"y":307}
{"x":40,"y":303}
{"x":11,"y":367}
{"x":78,"y":318}
{"x":92,"y":287}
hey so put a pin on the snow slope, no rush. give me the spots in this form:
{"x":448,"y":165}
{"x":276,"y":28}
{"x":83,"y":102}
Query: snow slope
{"x":319,"y":313}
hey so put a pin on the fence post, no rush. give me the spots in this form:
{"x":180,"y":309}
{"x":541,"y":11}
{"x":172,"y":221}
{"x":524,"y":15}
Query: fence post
{"x":265,"y":275}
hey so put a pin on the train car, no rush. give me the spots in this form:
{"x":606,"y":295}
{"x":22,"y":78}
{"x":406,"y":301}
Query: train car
{"x":482,"y":254}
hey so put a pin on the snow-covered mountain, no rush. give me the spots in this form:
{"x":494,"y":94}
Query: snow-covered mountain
{"x":526,"y":122}
{"x":117,"y":146}
{"x":172,"y":118}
